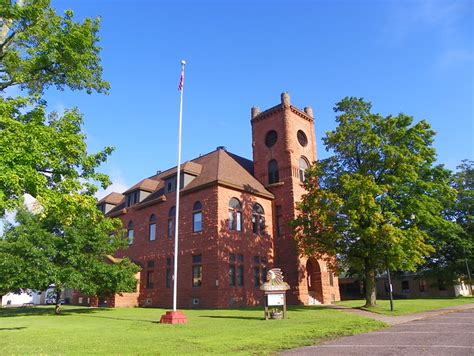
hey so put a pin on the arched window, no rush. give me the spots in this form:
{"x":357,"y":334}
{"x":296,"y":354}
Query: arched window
{"x":130,"y":233}
{"x":304,"y":165}
{"x":197,"y":217}
{"x":152,"y":228}
{"x":258,"y":219}
{"x":171,"y":220}
{"x":235,"y":215}
{"x":273,"y":175}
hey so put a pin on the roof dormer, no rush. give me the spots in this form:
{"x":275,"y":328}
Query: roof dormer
{"x":189,"y":171}
{"x":109,"y":202}
{"x":140,"y":191}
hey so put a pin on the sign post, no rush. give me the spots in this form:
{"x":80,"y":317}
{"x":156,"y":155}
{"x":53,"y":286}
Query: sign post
{"x":275,"y":295}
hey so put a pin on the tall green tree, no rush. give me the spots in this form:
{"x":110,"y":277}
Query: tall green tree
{"x":41,"y":152}
{"x":374,"y":201}
{"x":70,"y":248}
{"x":39,"y":49}
{"x":454,"y":256}
{"x":45,"y":155}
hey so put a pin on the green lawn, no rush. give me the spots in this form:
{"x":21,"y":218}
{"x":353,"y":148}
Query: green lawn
{"x":409,"y":306}
{"x":36,"y":330}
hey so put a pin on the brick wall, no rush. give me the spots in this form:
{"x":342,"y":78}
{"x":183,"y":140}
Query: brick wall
{"x":287,"y":121}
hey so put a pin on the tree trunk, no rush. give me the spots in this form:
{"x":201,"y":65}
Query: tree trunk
{"x":57,"y":308}
{"x":370,"y":288}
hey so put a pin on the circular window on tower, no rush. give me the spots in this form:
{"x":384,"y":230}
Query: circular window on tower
{"x":302,"y":139}
{"x":271,"y":138}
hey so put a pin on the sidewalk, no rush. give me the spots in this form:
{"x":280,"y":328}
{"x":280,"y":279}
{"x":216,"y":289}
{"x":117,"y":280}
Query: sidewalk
{"x":394,"y":320}
{"x":441,"y":332}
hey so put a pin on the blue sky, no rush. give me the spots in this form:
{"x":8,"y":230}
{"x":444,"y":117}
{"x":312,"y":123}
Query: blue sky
{"x":414,"y":57}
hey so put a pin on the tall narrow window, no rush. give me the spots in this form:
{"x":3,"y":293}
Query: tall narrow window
{"x":304,"y":165}
{"x":405,"y":286}
{"x":152,"y":228}
{"x":232,"y":270}
{"x":130,"y":233}
{"x":240,"y":270}
{"x":423,"y":285}
{"x":236,"y":270}
{"x":169,"y":272}
{"x":273,"y":175}
{"x":258,"y":220}
{"x":197,"y":217}
{"x":197,"y":270}
{"x":278,"y":220}
{"x":331,"y":279}
{"x":235,"y":215}
{"x":171,"y":219}
{"x":133,"y":198}
{"x":259,"y":270}
{"x":149,"y":279}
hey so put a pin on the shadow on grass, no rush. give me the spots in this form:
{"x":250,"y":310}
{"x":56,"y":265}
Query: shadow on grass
{"x":303,"y":308}
{"x":124,"y":319}
{"x":10,"y":329}
{"x":232,"y":317}
{"x":44,"y":310}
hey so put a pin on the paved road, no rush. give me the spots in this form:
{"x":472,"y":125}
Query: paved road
{"x":446,"y":334}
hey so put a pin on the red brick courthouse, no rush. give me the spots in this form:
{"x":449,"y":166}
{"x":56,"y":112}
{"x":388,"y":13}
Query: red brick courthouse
{"x":234,"y":216}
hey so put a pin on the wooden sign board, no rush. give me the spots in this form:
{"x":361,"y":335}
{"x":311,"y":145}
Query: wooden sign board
{"x":275,"y":299}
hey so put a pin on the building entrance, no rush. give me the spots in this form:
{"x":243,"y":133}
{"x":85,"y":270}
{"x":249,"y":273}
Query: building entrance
{"x":315,"y":288}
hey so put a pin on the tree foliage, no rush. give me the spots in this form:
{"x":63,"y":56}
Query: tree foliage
{"x":455,"y":247}
{"x":42,"y":153}
{"x":39,"y":49}
{"x":375,"y":201}
{"x":68,"y":247}
{"x":67,"y":241}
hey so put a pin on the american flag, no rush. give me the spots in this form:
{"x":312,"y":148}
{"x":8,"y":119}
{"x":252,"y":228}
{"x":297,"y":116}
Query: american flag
{"x":181,"y":81}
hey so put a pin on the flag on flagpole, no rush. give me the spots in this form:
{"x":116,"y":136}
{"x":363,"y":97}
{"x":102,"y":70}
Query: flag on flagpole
{"x":181,"y":81}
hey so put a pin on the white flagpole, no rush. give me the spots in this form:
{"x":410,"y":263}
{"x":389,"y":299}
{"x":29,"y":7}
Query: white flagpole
{"x":178,"y":185}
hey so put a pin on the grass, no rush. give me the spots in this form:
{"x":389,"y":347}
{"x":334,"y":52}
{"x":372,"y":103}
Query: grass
{"x":36,"y":330}
{"x":409,"y":306}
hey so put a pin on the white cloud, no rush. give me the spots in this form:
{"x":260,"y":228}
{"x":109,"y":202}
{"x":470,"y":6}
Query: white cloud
{"x":29,"y":202}
{"x":118,"y":185}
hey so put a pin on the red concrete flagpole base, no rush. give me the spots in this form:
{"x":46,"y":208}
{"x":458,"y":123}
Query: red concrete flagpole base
{"x":173,"y":317}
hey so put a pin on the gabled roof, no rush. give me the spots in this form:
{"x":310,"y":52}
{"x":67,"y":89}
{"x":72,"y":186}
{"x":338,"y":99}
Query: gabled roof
{"x":187,"y":167}
{"x":146,"y":184}
{"x":113,"y":198}
{"x":217,"y":167}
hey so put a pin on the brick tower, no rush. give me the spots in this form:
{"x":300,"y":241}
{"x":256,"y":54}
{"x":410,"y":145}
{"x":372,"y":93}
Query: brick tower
{"x":284,"y":145}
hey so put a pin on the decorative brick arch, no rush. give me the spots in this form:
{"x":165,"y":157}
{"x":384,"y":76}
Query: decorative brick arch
{"x":314,"y":282}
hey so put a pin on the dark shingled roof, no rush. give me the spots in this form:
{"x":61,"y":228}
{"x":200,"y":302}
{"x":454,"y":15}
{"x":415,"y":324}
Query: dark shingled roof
{"x":113,"y":198}
{"x":146,"y":184}
{"x":219,"y":167}
{"x":227,"y":168}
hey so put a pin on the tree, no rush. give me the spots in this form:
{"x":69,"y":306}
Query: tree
{"x":41,"y":154}
{"x":43,"y":251}
{"x":374,"y":201}
{"x":454,"y":256}
{"x":39,"y":49}
{"x":45,"y":155}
